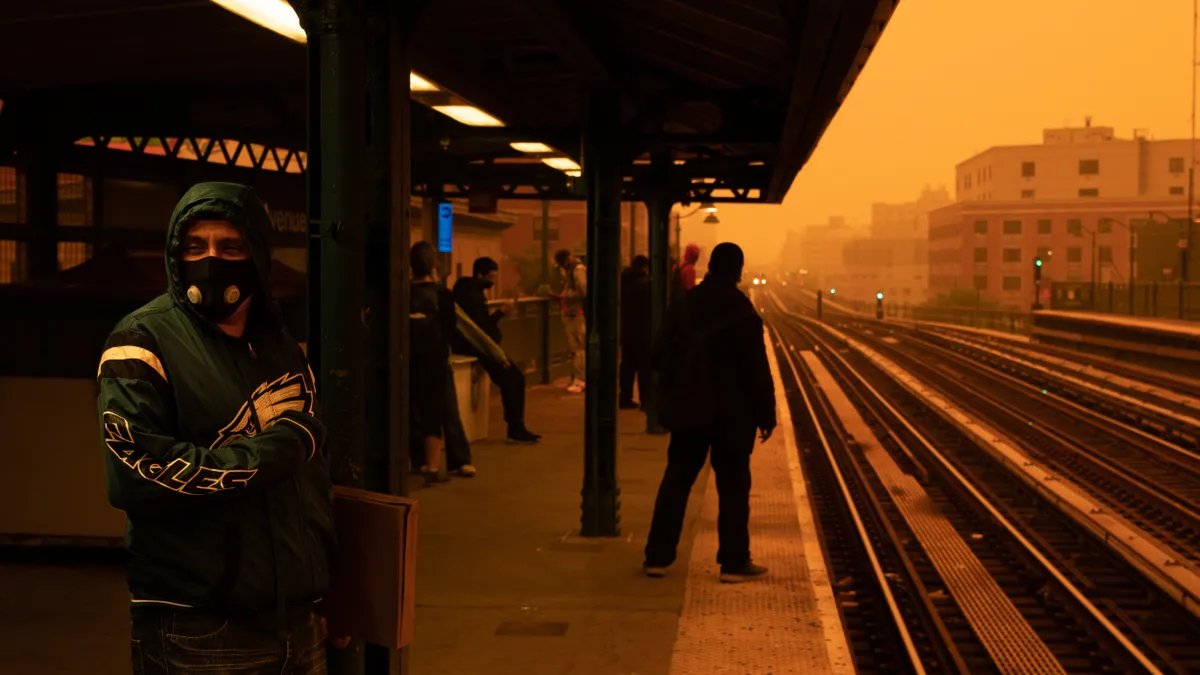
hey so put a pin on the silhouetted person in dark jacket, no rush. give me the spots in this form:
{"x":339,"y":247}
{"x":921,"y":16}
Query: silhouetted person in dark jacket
{"x":718,"y":391}
{"x":635,"y":332}
{"x":470,"y":295}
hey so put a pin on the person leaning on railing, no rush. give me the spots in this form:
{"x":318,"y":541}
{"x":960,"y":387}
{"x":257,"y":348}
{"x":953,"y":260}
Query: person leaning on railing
{"x":479,"y":336}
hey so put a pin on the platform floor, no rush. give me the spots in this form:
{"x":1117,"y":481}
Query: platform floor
{"x":505,"y":585}
{"x":1158,"y":325}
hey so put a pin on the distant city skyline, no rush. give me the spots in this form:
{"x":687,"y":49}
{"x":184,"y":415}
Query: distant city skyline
{"x":995,"y":74}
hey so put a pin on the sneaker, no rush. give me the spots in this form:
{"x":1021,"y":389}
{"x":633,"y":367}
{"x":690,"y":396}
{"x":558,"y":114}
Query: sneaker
{"x":434,"y":477}
{"x":466,"y":470}
{"x":577,"y":387}
{"x":522,"y":436}
{"x":736,"y":575}
{"x":654,"y":572}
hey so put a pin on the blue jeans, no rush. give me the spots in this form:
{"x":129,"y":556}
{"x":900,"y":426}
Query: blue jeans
{"x":186,"y":642}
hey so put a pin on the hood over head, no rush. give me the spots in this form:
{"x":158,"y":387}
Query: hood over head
{"x":691,"y":254}
{"x":237,"y":204}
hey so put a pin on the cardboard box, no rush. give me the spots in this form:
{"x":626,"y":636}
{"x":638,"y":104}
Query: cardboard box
{"x":371,"y":595}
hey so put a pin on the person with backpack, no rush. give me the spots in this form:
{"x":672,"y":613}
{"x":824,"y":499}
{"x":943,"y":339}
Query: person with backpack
{"x":683,"y":277}
{"x":573,"y":300}
{"x":716,"y":393}
{"x":432,"y":322}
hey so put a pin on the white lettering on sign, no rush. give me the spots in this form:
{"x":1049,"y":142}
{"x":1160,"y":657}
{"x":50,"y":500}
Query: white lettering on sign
{"x":289,"y":222}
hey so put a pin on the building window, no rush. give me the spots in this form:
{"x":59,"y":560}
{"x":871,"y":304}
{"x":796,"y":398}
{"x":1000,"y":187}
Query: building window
{"x":1012,"y":283}
{"x":1028,"y":169}
{"x":1044,"y":226}
{"x":1075,"y":227}
{"x":1176,"y":189}
{"x":1012,"y":255}
{"x":1012,"y":227}
{"x":981,"y":227}
{"x":980,"y":254}
{"x":1175,"y":165}
{"x":1089,"y":192}
{"x":1026,"y":194}
{"x":1104,"y":226}
{"x":981,"y":282}
{"x":1089,"y":167}
{"x":1105,"y":253}
{"x":1074,"y":254}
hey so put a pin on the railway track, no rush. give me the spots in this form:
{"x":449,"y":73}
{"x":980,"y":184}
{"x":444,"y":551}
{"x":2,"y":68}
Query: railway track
{"x":1091,"y":610}
{"x":1148,"y":481}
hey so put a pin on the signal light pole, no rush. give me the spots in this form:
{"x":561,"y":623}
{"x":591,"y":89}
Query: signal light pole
{"x":1037,"y":284}
{"x":879,"y":306}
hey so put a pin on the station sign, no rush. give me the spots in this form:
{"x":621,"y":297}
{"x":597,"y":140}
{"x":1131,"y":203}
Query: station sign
{"x":445,"y":227}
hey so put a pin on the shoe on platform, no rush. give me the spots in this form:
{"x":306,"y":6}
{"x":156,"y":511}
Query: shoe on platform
{"x":522,"y":436}
{"x":654,"y":572}
{"x":466,"y":470}
{"x":577,"y":387}
{"x":736,"y":575}
{"x":434,"y":477}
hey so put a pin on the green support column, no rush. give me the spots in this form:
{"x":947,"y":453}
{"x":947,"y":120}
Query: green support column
{"x":339,"y":343}
{"x":602,"y":173}
{"x":41,"y":181}
{"x":544,"y":289}
{"x":658,"y":215}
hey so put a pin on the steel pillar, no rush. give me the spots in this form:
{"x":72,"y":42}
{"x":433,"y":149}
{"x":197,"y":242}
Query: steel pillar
{"x":358,"y":190}
{"x":544,"y":289}
{"x":658,"y":216}
{"x":41,"y":180}
{"x":602,"y":175}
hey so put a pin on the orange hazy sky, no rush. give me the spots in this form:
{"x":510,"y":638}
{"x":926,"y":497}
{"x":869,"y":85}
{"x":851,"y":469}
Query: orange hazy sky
{"x":950,"y":78}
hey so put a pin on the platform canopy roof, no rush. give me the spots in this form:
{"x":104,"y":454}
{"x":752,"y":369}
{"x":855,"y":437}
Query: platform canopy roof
{"x":739,"y":90}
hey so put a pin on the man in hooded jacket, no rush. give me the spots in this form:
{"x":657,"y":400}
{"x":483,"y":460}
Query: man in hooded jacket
{"x":215,"y":450}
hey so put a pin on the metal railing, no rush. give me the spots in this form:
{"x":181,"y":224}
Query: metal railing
{"x":1005,"y":321}
{"x":1166,"y":300}
{"x":533,"y":336}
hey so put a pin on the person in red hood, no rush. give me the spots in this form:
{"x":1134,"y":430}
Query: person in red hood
{"x":683,"y":279}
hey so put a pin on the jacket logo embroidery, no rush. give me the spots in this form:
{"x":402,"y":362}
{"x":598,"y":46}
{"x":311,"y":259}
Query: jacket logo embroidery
{"x":266,"y":404}
{"x":179,"y":475}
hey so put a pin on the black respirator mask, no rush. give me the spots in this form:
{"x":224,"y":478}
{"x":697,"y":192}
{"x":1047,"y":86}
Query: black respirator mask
{"x":216,"y":287}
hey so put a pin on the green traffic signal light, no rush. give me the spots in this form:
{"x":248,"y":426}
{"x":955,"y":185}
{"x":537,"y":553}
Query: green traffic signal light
{"x":1038,"y":262}
{"x":833,"y":291}
{"x":879,"y":295}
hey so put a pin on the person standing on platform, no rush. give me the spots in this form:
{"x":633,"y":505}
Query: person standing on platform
{"x":635,"y":333}
{"x":215,"y":451}
{"x":470,"y":294}
{"x":432,"y":322}
{"x":717,"y":392}
{"x":573,"y":300}
{"x":683,"y":277}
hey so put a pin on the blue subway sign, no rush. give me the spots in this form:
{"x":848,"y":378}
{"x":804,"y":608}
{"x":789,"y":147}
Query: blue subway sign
{"x":445,"y":215}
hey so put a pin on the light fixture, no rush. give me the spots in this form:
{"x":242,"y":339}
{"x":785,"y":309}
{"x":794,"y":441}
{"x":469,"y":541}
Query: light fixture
{"x":879,"y":295}
{"x":562,"y":163}
{"x":468,"y":115}
{"x":418,"y":83}
{"x":712,"y":219}
{"x":708,"y":206}
{"x":574,"y":174}
{"x":532,"y":148}
{"x":275,"y":15}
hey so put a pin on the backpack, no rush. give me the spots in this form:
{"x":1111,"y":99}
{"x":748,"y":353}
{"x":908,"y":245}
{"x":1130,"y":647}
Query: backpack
{"x":688,"y":397}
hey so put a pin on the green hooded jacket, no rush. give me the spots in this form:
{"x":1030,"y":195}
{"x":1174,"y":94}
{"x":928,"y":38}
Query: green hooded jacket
{"x":213,"y":444}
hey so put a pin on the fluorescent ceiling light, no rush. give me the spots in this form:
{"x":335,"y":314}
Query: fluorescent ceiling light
{"x":418,"y":83}
{"x":574,"y":174}
{"x":533,"y":148}
{"x":562,"y":163}
{"x":275,"y":15}
{"x":468,"y":115}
